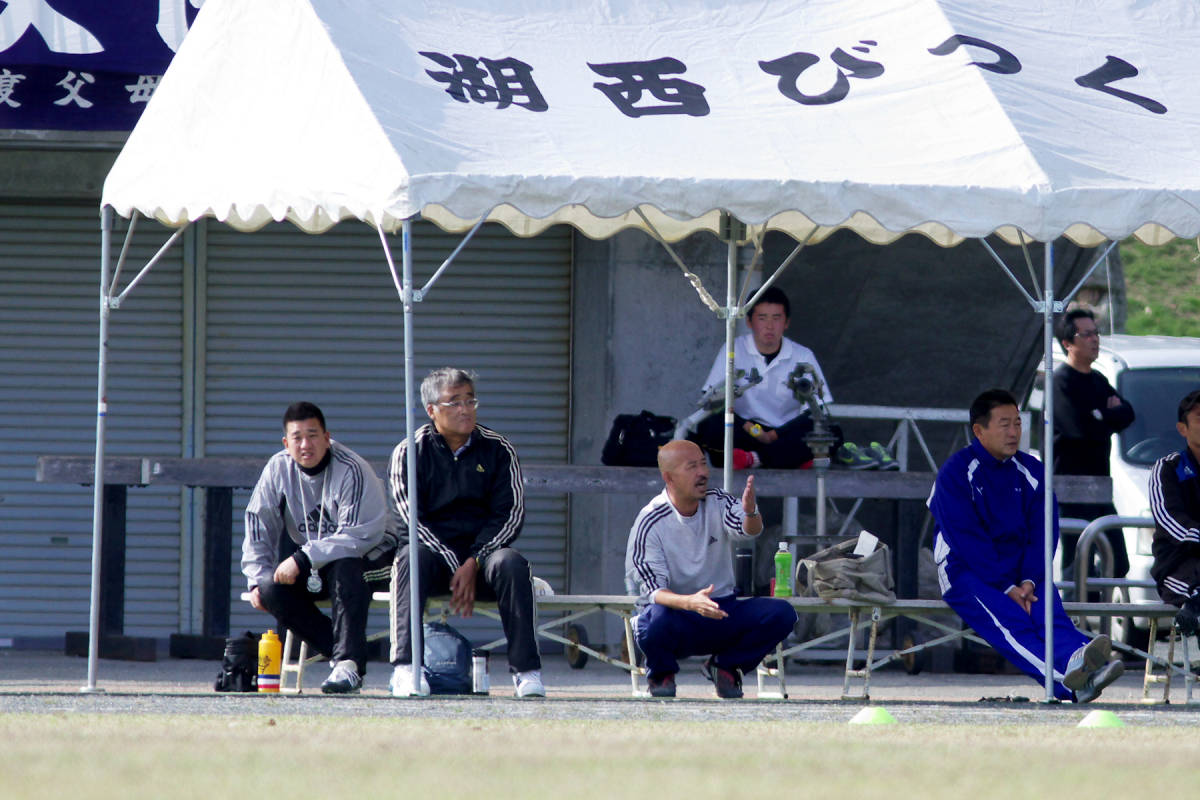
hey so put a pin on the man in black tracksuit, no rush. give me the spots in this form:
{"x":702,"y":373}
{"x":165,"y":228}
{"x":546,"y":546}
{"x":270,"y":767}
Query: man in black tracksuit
{"x":470,"y":508}
{"x":1175,"y":503}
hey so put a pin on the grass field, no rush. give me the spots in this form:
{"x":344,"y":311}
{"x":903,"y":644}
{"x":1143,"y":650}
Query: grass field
{"x":1162,"y":286}
{"x":176,"y":756}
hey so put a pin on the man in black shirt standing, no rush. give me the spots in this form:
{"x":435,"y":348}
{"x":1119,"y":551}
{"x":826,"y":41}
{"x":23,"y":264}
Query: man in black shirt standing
{"x":1087,"y":412}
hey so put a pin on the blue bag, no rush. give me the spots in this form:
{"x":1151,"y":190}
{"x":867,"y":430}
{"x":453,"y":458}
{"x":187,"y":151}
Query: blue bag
{"x":447,"y":659}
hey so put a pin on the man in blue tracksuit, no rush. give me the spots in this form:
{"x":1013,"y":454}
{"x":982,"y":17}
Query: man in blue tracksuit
{"x":988,"y":504}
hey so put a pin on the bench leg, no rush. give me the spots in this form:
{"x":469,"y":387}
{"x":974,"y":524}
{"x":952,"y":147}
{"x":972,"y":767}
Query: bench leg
{"x":287,"y":668}
{"x":1188,"y":679}
{"x":1150,"y":677}
{"x":764,"y":673}
{"x":846,"y":674}
{"x":1170,"y":664}
{"x":630,"y":647}
{"x":865,"y":672}
{"x":874,"y":635}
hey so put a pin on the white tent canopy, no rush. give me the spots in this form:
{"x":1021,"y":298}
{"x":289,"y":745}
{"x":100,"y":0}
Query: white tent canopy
{"x":952,"y":118}
{"x":320,"y":110}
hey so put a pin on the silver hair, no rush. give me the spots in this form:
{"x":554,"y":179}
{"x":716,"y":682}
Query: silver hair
{"x":442,"y":378}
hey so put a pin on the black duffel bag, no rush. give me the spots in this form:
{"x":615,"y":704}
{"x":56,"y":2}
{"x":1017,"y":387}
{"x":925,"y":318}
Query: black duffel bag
{"x":239,"y":665}
{"x":635,"y":438}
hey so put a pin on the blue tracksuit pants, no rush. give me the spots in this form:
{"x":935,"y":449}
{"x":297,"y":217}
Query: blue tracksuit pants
{"x":752,"y":629}
{"x":1019,"y":637}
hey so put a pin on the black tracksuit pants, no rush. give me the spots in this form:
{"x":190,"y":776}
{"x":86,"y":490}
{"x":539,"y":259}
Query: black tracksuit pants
{"x":505,"y":578}
{"x":340,"y":638}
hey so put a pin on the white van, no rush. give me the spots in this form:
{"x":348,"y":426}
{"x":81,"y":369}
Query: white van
{"x":1153,"y":373}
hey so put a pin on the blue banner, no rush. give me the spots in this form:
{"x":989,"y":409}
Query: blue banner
{"x":83,"y":64}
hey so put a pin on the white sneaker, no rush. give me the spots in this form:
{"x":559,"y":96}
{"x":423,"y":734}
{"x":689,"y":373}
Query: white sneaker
{"x":344,"y":679}
{"x":402,"y":681}
{"x":529,"y":684}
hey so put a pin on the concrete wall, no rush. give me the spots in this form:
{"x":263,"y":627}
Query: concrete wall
{"x":642,"y":340}
{"x":57,"y":168}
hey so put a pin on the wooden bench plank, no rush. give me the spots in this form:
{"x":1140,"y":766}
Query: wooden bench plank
{"x":80,"y":469}
{"x":549,"y":478}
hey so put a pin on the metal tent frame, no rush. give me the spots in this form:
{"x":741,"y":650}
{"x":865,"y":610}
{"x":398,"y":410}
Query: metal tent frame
{"x":1044,"y":303}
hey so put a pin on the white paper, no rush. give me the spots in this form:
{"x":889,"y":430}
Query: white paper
{"x":866,"y":544}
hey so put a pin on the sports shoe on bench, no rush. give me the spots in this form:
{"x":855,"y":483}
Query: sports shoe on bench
{"x":728,"y":683}
{"x":1098,"y":680}
{"x":529,"y":684}
{"x":745,"y":459}
{"x":344,"y":679}
{"x":881,"y":454}
{"x":851,"y":456}
{"x":1087,"y":660}
{"x":662,"y":685}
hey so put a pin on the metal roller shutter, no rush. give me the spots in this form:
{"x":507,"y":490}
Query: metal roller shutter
{"x":49,"y":295}
{"x":291,"y":316}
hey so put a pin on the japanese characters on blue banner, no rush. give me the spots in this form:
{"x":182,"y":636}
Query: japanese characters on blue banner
{"x":641,"y":88}
{"x":85,"y":64}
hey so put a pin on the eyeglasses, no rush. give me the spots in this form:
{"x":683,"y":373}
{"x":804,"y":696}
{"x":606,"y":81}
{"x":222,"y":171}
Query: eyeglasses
{"x":470,"y":402}
{"x":1087,"y":334}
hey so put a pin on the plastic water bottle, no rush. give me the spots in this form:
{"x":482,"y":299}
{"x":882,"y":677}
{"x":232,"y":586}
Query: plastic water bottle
{"x":270,"y":657}
{"x":783,"y":571}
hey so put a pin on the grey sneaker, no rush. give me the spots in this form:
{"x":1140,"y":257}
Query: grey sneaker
{"x":1086,"y":660}
{"x":881,"y":454}
{"x":1098,"y":680}
{"x":401,"y":682}
{"x":851,"y":456}
{"x":344,"y":679}
{"x":529,"y":684}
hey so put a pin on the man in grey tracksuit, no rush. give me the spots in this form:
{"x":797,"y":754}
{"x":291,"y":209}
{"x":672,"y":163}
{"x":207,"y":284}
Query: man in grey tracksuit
{"x":679,"y":563}
{"x":330,"y":503}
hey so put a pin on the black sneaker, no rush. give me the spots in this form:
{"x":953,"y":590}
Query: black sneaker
{"x":1098,"y":680}
{"x":344,"y":679}
{"x":662,"y":686}
{"x":1188,"y":618}
{"x":728,"y":683}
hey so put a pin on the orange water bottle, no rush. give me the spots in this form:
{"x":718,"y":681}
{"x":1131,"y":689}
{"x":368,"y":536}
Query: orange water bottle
{"x":270,"y":657}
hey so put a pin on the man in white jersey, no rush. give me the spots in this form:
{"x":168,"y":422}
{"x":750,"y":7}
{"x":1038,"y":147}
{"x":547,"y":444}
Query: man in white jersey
{"x":770,"y":423}
{"x":680,"y":564}
{"x":330,"y":503}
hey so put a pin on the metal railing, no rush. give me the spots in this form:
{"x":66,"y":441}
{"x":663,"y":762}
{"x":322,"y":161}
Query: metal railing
{"x":1090,"y":539}
{"x":906,"y":419}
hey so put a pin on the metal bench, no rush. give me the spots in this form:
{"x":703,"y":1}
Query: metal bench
{"x":562,"y":630}
{"x":773,"y":672}
{"x":868,"y":616}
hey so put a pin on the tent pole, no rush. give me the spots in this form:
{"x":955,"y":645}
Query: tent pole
{"x":1048,"y":468}
{"x":779,"y":270}
{"x":693,"y":279}
{"x":730,"y":329}
{"x":414,"y":575}
{"x":1095,"y":264}
{"x":98,"y":470}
